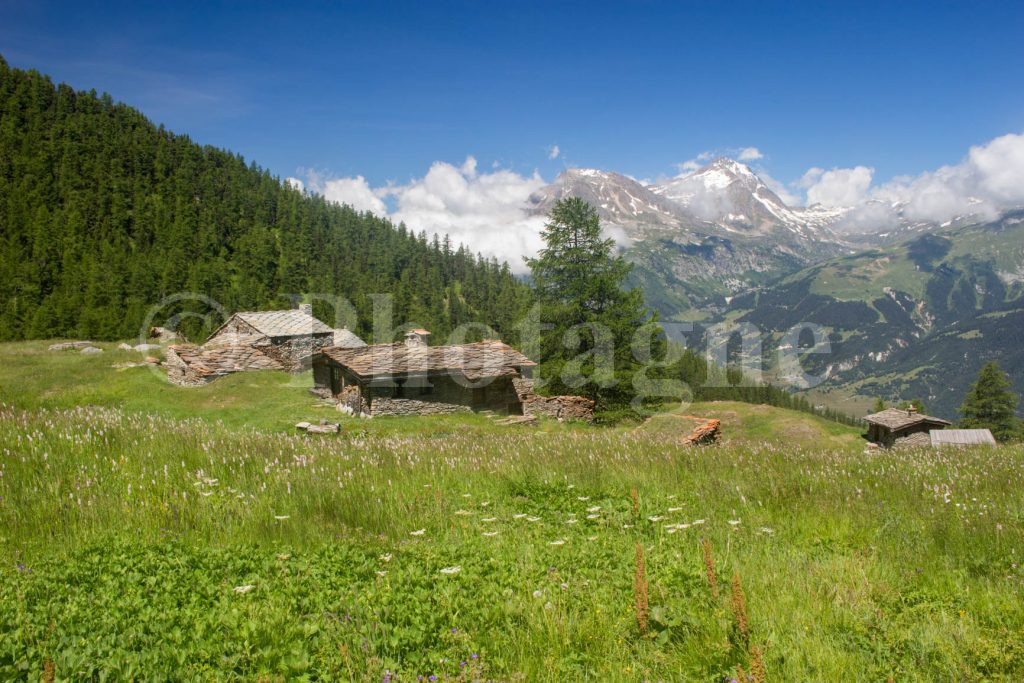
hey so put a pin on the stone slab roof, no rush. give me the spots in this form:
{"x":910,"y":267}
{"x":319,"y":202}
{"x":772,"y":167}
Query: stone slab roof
{"x":962,"y":437}
{"x":490,"y":358}
{"x":915,"y":440}
{"x":347,"y":339}
{"x":290,"y":323}
{"x":224,"y":359}
{"x":896,"y":419}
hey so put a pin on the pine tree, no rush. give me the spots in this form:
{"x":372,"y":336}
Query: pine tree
{"x":577,"y":281}
{"x":990,"y":404}
{"x":879,"y":406}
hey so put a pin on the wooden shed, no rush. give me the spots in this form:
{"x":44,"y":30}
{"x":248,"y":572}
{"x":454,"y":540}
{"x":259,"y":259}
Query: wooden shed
{"x":962,"y":437}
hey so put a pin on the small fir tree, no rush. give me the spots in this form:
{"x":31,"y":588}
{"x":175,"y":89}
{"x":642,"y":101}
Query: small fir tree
{"x":578,"y":283}
{"x":990,"y":404}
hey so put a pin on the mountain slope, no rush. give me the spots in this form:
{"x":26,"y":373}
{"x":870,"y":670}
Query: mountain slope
{"x":735,"y":198}
{"x":104,"y":214}
{"x":917,"y":319}
{"x":697,"y":240}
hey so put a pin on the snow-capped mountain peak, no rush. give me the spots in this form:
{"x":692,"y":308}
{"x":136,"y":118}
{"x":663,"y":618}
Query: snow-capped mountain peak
{"x":620,"y":201}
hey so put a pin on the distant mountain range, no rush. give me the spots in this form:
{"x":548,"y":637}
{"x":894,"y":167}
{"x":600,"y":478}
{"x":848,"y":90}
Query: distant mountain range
{"x":912,"y":310}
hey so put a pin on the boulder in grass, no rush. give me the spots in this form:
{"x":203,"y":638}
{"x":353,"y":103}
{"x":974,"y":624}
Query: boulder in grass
{"x":67,"y":346}
{"x":92,"y":349}
{"x":328,"y":428}
{"x":124,"y":347}
{"x":146,"y":347}
{"x":324,"y":427}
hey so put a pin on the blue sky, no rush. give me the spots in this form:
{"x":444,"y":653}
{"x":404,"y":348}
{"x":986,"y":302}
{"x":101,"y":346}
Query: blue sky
{"x":385,"y":89}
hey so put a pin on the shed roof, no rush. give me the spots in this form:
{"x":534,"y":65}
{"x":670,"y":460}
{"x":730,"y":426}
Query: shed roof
{"x":490,"y":358}
{"x":289,"y":323}
{"x":899,"y":418}
{"x":224,"y":358}
{"x":962,"y":437}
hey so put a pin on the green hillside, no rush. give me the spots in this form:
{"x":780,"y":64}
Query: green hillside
{"x":914,"y":320}
{"x":105,"y":214}
{"x":33,"y":377}
{"x":749,"y":423}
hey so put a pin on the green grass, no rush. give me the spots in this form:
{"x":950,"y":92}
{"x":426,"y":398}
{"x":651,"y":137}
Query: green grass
{"x":138,"y":542}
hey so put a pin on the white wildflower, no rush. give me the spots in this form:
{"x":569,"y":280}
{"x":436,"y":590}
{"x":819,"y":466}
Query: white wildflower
{"x":557,"y":541}
{"x":418,"y":532}
{"x":244,"y":589}
{"x":451,"y":570}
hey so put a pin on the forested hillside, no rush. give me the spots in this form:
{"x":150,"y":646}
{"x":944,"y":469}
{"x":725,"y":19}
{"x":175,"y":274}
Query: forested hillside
{"x":103,"y":214}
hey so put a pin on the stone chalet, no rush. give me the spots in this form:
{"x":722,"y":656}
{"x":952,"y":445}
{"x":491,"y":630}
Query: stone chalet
{"x":899,"y":427}
{"x":412,"y":378}
{"x":258,"y":340}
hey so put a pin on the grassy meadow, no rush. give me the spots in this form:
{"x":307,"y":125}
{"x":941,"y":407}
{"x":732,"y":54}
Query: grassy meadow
{"x":153,"y":532}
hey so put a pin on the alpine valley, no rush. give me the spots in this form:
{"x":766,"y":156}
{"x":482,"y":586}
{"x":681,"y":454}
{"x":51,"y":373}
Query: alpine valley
{"x":911,"y":309}
{"x":104,"y":213}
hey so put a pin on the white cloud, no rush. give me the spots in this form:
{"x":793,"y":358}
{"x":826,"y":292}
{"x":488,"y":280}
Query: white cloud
{"x":355,"y":192}
{"x":554,"y":152}
{"x":296,"y":183}
{"x":838,"y":187}
{"x":484,"y":211}
{"x":691,"y":165}
{"x":749,"y":154}
{"x":988,"y":180}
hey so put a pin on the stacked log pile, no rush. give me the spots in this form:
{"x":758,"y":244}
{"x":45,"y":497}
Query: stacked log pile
{"x":707,"y":432}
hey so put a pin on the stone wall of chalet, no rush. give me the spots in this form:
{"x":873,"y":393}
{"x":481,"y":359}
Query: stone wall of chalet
{"x":443,"y":394}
